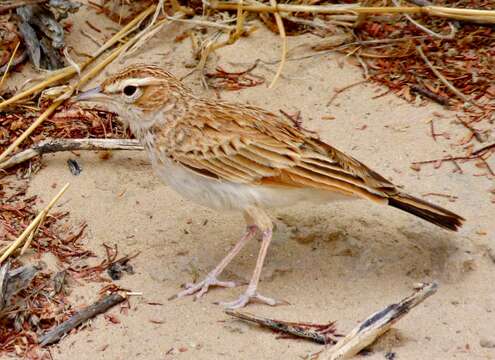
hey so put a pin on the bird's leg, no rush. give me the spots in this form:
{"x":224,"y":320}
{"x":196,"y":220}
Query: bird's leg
{"x":211,"y":279}
{"x":251,"y":294}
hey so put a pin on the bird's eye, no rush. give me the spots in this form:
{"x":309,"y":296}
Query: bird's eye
{"x":130,"y":90}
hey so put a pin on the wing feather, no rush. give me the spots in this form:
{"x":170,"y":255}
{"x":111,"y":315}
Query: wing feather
{"x":244,"y":144}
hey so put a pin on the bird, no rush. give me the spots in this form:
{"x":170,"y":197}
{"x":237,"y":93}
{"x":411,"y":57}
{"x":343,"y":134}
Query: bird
{"x":238,"y":157}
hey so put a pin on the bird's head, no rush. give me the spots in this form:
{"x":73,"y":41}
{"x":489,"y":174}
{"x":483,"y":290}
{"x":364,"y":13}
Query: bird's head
{"x":139,"y":94}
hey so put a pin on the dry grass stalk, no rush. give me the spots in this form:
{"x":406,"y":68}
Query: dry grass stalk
{"x":481,"y":16}
{"x":7,"y":251}
{"x":55,"y":78}
{"x":9,"y":64}
{"x":281,"y":31}
{"x":31,"y":236}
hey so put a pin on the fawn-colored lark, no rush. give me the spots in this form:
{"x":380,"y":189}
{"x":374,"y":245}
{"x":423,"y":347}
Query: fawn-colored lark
{"x":229,"y":156}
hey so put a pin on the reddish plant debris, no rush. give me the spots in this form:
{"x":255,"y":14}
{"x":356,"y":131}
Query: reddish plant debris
{"x":44,"y":303}
{"x":221,"y":79}
{"x":69,"y":122}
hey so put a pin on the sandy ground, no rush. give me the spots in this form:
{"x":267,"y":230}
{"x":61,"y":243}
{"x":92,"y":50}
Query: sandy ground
{"x":340,"y":261}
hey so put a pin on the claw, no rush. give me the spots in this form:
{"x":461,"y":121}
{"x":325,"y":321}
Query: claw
{"x":249,"y":297}
{"x":202,"y":287}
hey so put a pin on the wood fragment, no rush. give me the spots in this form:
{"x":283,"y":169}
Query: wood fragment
{"x":431,"y":95}
{"x":319,"y":333}
{"x":80,"y":317}
{"x":57,"y":145}
{"x":375,"y":325}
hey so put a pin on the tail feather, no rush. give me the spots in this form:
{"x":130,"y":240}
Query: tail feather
{"x":429,"y":212}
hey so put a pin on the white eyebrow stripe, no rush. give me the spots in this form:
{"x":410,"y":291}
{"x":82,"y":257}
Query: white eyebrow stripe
{"x":138,"y":82}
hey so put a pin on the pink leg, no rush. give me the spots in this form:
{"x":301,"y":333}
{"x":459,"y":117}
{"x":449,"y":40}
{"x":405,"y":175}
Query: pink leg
{"x":202,"y":287}
{"x":251,"y":293}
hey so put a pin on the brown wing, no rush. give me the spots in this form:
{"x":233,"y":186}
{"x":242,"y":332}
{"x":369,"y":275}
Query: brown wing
{"x":245,"y":144}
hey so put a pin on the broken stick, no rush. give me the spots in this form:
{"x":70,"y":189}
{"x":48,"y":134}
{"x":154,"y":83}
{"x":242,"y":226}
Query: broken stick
{"x":375,"y":325}
{"x":320,"y":333}
{"x":56,"y":145}
{"x":77,"y":319}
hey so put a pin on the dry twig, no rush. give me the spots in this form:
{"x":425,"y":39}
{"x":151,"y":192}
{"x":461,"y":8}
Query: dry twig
{"x":80,"y":317}
{"x":57,"y":145}
{"x":430,"y":94}
{"x":375,"y":325}
{"x":320,"y":333}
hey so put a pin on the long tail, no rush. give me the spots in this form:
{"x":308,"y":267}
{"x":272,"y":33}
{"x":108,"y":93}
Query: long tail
{"x":429,"y":212}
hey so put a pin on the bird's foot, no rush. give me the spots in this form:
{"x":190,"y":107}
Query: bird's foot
{"x":202,"y":287}
{"x":251,"y":296}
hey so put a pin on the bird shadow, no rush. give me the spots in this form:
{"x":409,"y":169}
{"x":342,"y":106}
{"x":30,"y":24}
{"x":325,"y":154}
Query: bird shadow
{"x":410,"y":250}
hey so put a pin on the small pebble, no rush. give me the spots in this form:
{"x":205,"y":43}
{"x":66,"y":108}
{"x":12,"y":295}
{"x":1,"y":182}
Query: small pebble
{"x":487,"y":343}
{"x":74,"y":167}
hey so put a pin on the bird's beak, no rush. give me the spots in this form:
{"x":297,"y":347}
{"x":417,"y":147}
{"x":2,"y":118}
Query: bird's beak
{"x":90,"y":94}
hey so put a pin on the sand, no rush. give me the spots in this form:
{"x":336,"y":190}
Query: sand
{"x":340,"y":261}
